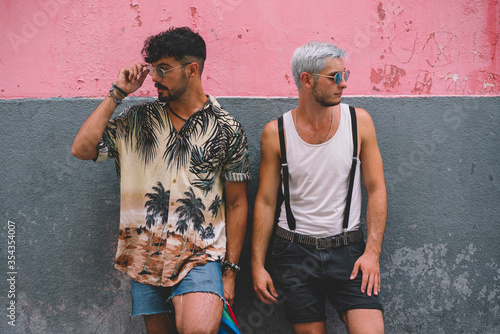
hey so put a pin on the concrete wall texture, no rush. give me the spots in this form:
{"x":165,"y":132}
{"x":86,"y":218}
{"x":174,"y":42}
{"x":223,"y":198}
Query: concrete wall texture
{"x":426,"y":71}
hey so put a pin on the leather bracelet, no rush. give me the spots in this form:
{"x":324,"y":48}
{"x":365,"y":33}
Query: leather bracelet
{"x":119,"y":90}
{"x":117,"y":93}
{"x":226,"y":265}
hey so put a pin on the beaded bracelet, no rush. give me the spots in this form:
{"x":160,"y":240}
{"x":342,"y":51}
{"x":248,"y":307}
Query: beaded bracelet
{"x":226,"y":265}
{"x":113,"y":96}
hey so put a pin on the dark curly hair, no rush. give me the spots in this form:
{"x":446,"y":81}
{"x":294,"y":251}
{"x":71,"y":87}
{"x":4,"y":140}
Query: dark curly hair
{"x":178,"y":43}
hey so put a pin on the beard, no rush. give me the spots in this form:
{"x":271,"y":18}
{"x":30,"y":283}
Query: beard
{"x":323,"y":98}
{"x":174,"y":93}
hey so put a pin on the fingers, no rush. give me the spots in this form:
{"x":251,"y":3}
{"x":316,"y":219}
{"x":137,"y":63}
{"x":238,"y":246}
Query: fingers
{"x":229,"y":296}
{"x":131,"y":78}
{"x":376,"y":289}
{"x":355,"y":270}
{"x":264,"y":287}
{"x":266,"y":292}
{"x":264,"y":296}
{"x":270,"y":295}
{"x":143,"y":76}
{"x":370,"y":282}
{"x":272,"y":290}
{"x":228,"y":286}
{"x":135,"y":72}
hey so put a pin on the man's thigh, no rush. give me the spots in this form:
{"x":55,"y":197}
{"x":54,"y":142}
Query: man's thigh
{"x":364,"y":321}
{"x":198,"y":312}
{"x":199,"y":299}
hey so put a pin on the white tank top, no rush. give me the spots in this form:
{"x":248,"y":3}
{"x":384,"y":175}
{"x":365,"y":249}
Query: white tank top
{"x":319,"y":179}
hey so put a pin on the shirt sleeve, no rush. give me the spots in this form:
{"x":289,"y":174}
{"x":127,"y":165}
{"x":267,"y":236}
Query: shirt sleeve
{"x":237,"y":163}
{"x":107,"y":147}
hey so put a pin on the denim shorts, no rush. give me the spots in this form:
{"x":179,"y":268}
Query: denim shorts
{"x":150,"y":299}
{"x":305,"y":276}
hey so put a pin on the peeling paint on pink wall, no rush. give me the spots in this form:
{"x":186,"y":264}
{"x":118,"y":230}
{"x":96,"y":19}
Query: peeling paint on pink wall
{"x":62,"y":48}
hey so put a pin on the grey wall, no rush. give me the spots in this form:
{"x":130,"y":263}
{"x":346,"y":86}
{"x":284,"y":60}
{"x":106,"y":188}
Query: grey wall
{"x":440,"y":262}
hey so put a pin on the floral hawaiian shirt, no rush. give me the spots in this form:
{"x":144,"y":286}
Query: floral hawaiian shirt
{"x":172,"y":215}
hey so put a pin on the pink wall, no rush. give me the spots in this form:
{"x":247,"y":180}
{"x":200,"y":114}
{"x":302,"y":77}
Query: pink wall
{"x":63,"y":48}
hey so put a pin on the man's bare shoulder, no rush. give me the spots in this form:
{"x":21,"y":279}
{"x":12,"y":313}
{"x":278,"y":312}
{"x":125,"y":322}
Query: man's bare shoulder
{"x":364,"y":120}
{"x":362,"y":115}
{"x":271,"y":128}
{"x":270,"y":138}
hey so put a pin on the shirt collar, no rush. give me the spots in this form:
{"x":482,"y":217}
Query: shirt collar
{"x":211,"y":104}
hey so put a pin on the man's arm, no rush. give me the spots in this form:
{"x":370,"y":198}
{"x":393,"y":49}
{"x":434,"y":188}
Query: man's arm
{"x":264,"y":210}
{"x":376,"y":215}
{"x":236,"y":224}
{"x":85,"y":144}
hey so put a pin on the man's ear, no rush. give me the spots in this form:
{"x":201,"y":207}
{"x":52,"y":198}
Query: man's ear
{"x":193,"y":69}
{"x":307,"y":79}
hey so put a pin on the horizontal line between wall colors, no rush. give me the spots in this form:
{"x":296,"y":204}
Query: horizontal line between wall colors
{"x":131,"y":98}
{"x":357,"y":96}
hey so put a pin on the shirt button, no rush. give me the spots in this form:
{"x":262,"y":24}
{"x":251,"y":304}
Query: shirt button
{"x":174,"y":180}
{"x":172,"y":203}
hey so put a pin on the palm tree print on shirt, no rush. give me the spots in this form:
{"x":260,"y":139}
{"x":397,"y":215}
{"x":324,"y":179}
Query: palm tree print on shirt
{"x":157,"y":206}
{"x":215,"y":206}
{"x":140,"y":125}
{"x":203,"y":168}
{"x":190,"y":214}
{"x":208,"y":233}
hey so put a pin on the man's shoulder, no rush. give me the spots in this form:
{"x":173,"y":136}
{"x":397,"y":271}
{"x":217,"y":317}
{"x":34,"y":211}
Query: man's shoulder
{"x":222,"y":114}
{"x":216,"y":107}
{"x":362,"y":116}
{"x":360,"y":112}
{"x":273,"y":125}
{"x":270,"y":134}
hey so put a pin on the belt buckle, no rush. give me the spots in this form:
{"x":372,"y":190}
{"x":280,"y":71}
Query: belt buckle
{"x":321,"y":243}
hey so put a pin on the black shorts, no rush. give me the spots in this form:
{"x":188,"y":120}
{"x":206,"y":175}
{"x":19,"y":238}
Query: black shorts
{"x":305,"y":276}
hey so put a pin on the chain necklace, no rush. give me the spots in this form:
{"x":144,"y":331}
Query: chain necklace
{"x":329,"y":131}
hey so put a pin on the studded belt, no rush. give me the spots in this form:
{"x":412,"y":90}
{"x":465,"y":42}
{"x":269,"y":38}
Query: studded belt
{"x":335,"y":241}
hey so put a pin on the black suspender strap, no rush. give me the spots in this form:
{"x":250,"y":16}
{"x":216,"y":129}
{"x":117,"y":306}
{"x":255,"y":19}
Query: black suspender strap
{"x":353,"y":169}
{"x":284,"y":169}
